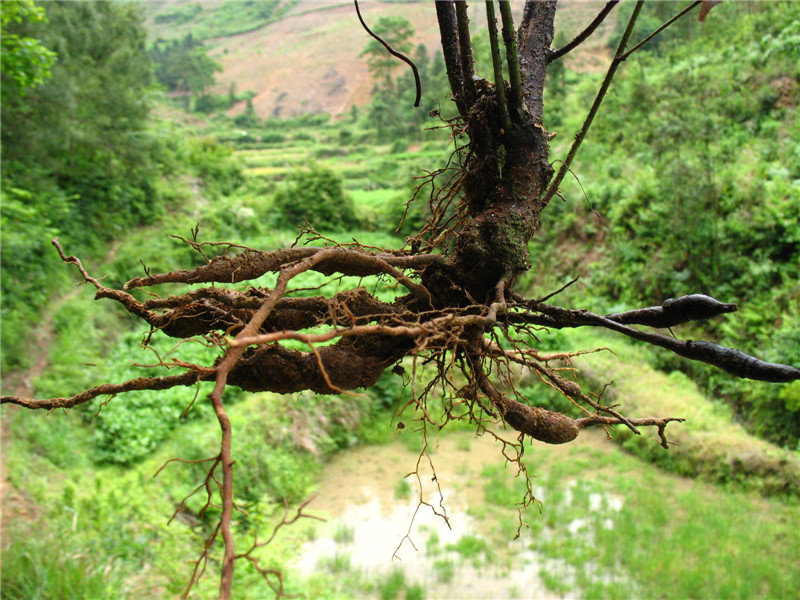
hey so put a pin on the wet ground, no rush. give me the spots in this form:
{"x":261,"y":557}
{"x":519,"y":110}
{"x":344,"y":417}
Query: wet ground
{"x":372,"y":506}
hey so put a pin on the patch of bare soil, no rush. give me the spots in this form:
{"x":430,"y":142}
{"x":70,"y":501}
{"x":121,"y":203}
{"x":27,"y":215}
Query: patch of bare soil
{"x":15,"y":503}
{"x":309,"y":61}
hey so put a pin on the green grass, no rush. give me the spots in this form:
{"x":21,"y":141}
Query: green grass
{"x":708,"y":444}
{"x":622,"y":529}
{"x":338,"y":563}
{"x":59,"y":566}
{"x":474,"y":548}
{"x":445,"y":570}
{"x":344,"y":534}
{"x":394,"y":586}
{"x":377,"y":198}
{"x":402,"y":490}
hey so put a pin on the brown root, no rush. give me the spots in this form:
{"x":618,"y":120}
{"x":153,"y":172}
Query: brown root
{"x":541,"y":424}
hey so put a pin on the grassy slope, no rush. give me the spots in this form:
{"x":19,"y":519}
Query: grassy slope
{"x":709,"y":444}
{"x":651,"y":534}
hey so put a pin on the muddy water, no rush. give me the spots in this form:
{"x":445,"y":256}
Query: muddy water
{"x":374,"y":529}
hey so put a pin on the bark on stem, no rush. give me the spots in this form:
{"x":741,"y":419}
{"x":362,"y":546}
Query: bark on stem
{"x":448,"y":32}
{"x":497,"y":64}
{"x":512,"y":58}
{"x":465,"y":46}
{"x":535,"y":36}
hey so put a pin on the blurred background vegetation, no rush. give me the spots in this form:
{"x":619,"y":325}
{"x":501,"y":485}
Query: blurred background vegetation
{"x":115,"y":138}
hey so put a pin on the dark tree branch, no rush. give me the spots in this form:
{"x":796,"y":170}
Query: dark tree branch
{"x":535,"y":36}
{"x":497,"y":66}
{"x":662,"y":28}
{"x":394,"y":53}
{"x":512,"y":56}
{"x":583,"y":35}
{"x":465,"y":45}
{"x":730,"y":360}
{"x":674,"y":311}
{"x":448,"y":32}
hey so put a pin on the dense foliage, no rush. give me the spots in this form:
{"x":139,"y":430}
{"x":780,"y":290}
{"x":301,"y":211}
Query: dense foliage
{"x":77,"y":161}
{"x":183,"y":66}
{"x":25,"y":62}
{"x":81,"y":159}
{"x":81,"y":130}
{"x":316,"y":196}
{"x":694,"y":189}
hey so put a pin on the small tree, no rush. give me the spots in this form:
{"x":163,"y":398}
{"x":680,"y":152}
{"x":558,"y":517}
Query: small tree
{"x":183,"y":67}
{"x":461,"y":313}
{"x":317,"y":197}
{"x":397,"y":32}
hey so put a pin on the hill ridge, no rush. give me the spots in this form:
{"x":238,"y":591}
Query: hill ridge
{"x":322,"y":41}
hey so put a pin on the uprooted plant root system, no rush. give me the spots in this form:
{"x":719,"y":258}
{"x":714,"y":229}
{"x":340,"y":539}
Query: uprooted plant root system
{"x":460,"y":316}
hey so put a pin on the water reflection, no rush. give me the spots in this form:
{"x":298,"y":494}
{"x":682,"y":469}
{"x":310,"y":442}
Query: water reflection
{"x":368,"y":524}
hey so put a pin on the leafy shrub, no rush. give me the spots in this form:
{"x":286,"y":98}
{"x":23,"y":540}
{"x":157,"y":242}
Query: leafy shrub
{"x":318,"y":196}
{"x":273,"y":138}
{"x":389,"y":391}
{"x":130,"y":427}
{"x":770,"y":411}
{"x":209,"y":103}
{"x":697,"y":188}
{"x":215,"y":164}
{"x":29,"y":219}
{"x":277,"y":472}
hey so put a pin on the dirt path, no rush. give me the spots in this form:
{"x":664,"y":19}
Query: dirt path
{"x":15,"y":503}
{"x":20,"y":383}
